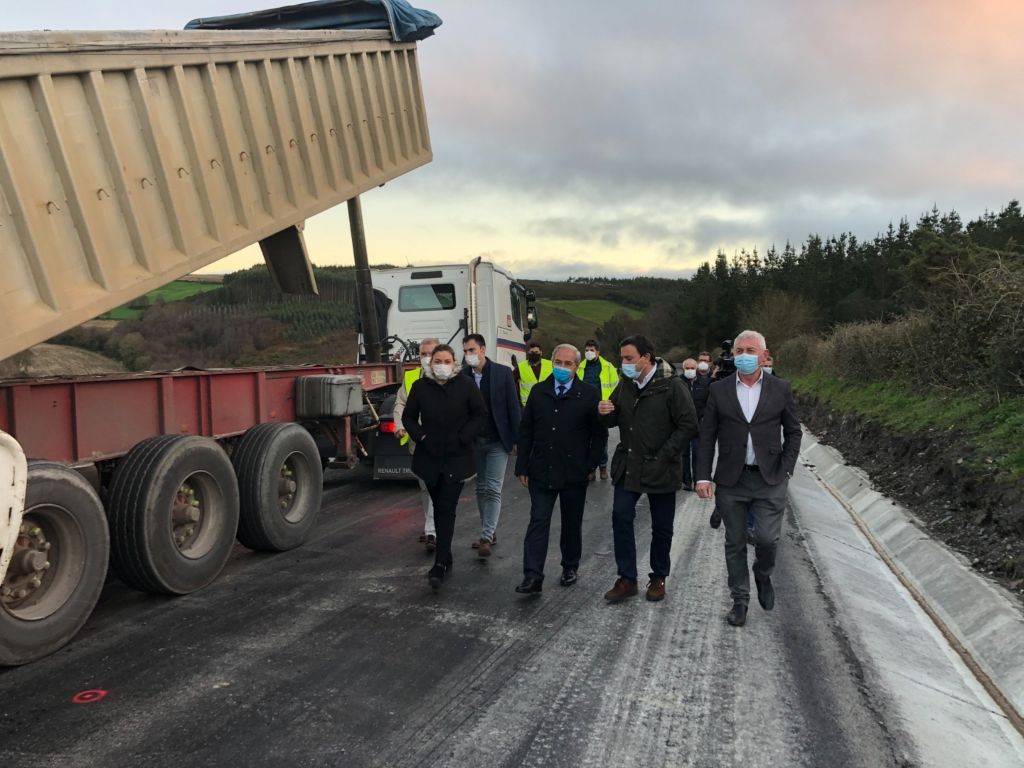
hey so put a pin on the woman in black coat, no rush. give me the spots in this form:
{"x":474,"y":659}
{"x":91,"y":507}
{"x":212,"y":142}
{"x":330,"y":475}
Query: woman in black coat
{"x":443,"y":415}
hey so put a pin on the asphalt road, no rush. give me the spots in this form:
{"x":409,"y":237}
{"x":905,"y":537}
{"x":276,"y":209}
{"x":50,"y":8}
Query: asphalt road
{"x":338,"y":654}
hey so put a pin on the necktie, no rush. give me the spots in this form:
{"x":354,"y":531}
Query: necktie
{"x":561,"y":390}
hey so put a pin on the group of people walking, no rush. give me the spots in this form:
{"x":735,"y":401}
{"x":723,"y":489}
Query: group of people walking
{"x":554,"y":414}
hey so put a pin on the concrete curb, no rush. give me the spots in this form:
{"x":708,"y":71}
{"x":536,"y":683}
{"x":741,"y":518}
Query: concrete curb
{"x":982,"y":616}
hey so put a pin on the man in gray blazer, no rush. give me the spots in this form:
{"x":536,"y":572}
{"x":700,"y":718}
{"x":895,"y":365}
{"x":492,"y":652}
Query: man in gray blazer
{"x":752,"y":417}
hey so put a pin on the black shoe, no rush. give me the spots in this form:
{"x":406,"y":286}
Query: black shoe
{"x":765,"y":593}
{"x":738,"y":615}
{"x":436,"y":576}
{"x":568,"y":577}
{"x":530,"y":587}
{"x":716,"y":518}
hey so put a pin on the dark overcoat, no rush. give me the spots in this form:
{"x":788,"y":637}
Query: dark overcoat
{"x":444,"y":420}
{"x":654,"y":424}
{"x":560,"y":439}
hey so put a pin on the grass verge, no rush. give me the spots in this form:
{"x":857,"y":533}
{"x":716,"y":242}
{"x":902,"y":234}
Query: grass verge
{"x":991,"y":428}
{"x":596,"y":311}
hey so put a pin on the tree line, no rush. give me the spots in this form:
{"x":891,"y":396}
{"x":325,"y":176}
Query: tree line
{"x":955,"y":291}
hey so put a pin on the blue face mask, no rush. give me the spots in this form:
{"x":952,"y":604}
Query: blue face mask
{"x":561,"y":375}
{"x":746,"y":364}
{"x":629,"y":370}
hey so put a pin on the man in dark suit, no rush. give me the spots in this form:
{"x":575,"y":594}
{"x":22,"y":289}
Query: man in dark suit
{"x":560,"y":439}
{"x":752,"y":417}
{"x":497,"y":438}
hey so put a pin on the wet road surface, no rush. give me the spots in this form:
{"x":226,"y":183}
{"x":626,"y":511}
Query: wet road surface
{"x":338,"y":654}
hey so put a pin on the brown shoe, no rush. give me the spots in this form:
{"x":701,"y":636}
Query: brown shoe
{"x":623,"y":588}
{"x":592,"y":476}
{"x":604,"y":473}
{"x":483,"y":548}
{"x":656,"y":589}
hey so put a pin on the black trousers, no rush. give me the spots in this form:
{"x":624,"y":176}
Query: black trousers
{"x":573,"y":499}
{"x":751,"y":496}
{"x":445,"y":495}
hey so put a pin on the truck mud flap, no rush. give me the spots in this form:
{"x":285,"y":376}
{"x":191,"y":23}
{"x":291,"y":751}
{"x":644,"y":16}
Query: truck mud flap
{"x":393,"y":467}
{"x":13,"y":475}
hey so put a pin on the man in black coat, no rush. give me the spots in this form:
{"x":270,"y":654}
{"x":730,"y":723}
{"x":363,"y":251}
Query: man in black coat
{"x":655,"y":417}
{"x":560,"y":439}
{"x":752,"y":417}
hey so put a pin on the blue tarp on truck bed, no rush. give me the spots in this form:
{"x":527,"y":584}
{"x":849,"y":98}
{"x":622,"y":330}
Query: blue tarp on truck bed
{"x":406,"y":23}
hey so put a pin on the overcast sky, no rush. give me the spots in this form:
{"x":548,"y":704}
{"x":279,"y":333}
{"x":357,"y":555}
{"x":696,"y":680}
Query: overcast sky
{"x":589,"y":137}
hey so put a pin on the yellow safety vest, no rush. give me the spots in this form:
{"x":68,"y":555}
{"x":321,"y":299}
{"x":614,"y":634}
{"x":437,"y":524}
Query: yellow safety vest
{"x":609,"y":376}
{"x":527,"y":380}
{"x":411,"y":377}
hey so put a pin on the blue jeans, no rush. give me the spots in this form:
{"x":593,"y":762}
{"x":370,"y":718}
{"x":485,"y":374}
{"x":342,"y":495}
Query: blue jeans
{"x":491,"y":463}
{"x":663,"y":513}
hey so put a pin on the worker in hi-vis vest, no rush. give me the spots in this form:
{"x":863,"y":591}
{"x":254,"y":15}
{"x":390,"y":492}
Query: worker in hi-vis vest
{"x":429,"y":536}
{"x":601,"y":374}
{"x":531,"y":371}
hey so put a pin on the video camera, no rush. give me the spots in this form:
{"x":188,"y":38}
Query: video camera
{"x":726,"y":363}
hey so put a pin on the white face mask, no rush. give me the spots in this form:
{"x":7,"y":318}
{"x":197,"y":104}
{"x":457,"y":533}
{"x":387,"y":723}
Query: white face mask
{"x":472,"y":360}
{"x":766,"y":368}
{"x":703,"y":366}
{"x":590,"y":354}
{"x":425,"y":362}
{"x":442,"y":371}
{"x":690,"y":373}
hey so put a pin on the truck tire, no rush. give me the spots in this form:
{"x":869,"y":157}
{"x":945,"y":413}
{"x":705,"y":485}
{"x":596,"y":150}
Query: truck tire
{"x":59,"y":565}
{"x":280,"y":484}
{"x":173,"y":512}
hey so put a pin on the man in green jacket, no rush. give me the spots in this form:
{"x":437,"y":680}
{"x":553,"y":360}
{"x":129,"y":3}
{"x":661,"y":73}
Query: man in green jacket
{"x":656,"y":418}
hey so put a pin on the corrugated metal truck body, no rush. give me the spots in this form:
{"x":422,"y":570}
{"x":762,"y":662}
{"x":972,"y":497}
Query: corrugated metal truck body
{"x":130,"y":159}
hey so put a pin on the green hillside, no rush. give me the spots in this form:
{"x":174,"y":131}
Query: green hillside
{"x":557,"y":326}
{"x":596,"y":311}
{"x":176,"y":291}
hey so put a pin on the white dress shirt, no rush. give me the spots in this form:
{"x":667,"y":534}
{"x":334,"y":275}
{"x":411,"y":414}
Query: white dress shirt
{"x":641,"y":383}
{"x":749,"y":396}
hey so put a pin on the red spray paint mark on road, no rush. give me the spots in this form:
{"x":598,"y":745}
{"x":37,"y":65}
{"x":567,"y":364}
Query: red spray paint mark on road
{"x":88,"y":697}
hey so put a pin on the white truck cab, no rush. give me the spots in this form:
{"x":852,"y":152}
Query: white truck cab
{"x":449,"y":301}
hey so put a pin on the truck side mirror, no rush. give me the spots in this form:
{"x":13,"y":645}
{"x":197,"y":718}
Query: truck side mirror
{"x":532,"y":321}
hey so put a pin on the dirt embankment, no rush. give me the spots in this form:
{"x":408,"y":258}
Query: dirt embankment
{"x":931,"y":475}
{"x":57,"y":360}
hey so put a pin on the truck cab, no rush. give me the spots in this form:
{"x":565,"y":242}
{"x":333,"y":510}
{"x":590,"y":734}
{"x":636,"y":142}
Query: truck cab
{"x":447,"y":302}
{"x":443,"y":302}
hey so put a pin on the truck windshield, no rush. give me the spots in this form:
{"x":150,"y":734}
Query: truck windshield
{"x":424,"y":298}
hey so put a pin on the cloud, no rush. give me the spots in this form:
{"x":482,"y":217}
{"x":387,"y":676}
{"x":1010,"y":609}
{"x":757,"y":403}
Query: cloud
{"x":589,"y":135}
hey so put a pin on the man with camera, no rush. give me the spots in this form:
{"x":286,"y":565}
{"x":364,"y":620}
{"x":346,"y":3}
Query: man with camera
{"x":724,"y":365}
{"x":752,"y":418}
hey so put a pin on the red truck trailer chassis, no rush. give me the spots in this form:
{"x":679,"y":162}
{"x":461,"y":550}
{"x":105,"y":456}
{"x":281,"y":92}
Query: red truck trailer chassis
{"x":163,"y":471}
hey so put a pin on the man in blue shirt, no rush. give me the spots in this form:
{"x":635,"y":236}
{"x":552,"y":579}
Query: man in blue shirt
{"x":559,"y":439}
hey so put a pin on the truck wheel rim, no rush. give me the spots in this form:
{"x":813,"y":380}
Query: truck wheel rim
{"x":293,"y":481}
{"x":47,"y":564}
{"x":197,"y":512}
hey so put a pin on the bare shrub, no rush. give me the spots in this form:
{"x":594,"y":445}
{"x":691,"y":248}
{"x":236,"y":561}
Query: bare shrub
{"x":780,"y":317}
{"x":800,"y":355}
{"x":884,"y":351}
{"x":979,"y":317}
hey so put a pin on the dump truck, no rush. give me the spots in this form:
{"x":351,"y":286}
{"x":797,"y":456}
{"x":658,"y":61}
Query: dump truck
{"x":128,"y":160}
